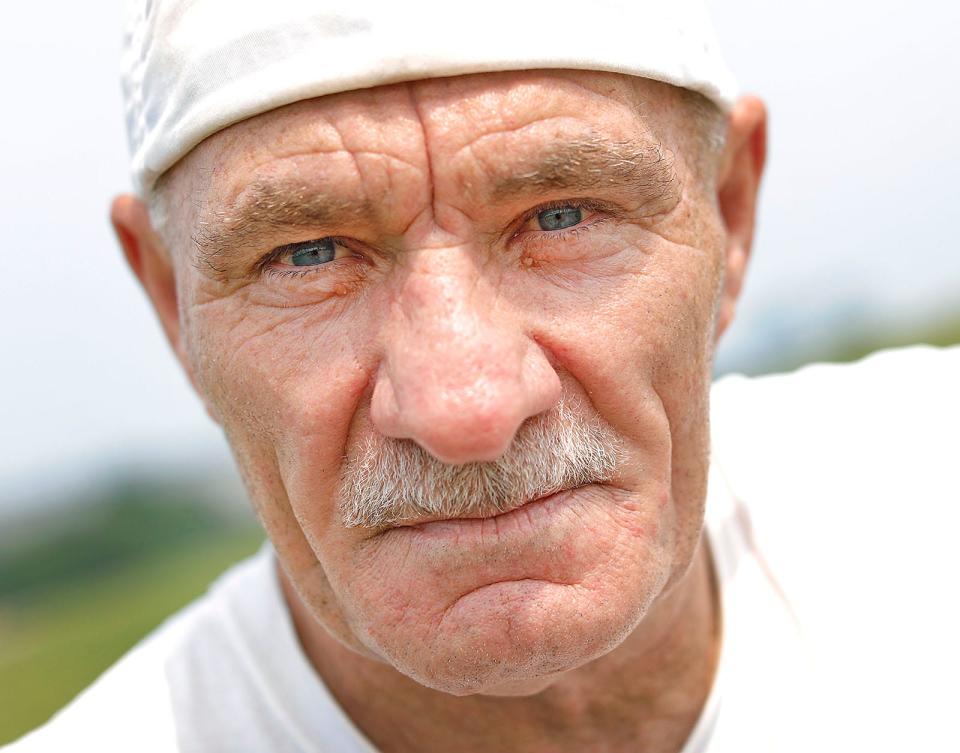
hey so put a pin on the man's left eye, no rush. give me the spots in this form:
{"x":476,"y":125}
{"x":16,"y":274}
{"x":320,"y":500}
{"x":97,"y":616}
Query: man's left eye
{"x":310,"y":253}
{"x":560,"y":218}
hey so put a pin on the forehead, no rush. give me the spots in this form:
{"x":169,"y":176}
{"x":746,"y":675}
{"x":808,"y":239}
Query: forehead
{"x":462,"y":131}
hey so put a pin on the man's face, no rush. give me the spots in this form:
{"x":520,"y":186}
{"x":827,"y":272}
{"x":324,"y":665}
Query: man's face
{"x":433,"y":265}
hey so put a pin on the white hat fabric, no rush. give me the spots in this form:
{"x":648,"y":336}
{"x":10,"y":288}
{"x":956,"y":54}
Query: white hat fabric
{"x":194,"y":67}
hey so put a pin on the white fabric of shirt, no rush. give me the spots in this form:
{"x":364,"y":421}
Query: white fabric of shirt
{"x":837,"y":592}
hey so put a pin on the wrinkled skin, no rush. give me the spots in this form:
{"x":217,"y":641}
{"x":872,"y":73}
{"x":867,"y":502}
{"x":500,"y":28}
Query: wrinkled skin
{"x":449,"y":318}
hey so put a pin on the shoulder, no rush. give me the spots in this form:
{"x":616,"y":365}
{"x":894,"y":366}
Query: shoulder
{"x":919,"y":377}
{"x":849,"y":473}
{"x":841,"y":428}
{"x":844,"y":454}
{"x":133,"y":705}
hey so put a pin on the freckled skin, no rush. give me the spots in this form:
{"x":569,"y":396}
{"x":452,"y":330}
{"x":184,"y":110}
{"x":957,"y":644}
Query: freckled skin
{"x":447,"y":324}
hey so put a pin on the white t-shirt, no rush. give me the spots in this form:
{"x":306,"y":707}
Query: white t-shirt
{"x":840,"y":615}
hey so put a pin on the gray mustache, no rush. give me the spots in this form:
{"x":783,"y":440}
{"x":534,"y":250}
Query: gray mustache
{"x":390,"y":481}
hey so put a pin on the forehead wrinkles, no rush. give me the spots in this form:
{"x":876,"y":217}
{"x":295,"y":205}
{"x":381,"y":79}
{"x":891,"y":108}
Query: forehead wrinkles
{"x":472,"y":106}
{"x":436,"y":126}
{"x":333,"y":151}
{"x":353,"y":125}
{"x":492,"y":137}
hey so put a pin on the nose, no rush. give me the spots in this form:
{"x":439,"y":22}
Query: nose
{"x":459,"y":374}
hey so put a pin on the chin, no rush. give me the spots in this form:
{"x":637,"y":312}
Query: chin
{"x":513,"y":638}
{"x":501,"y":606}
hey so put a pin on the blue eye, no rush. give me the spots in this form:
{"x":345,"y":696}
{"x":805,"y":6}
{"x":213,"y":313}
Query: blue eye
{"x":560,"y":218}
{"x":312,"y":253}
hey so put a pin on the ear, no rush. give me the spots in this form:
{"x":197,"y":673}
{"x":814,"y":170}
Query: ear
{"x":152,"y":264}
{"x":738,"y":188}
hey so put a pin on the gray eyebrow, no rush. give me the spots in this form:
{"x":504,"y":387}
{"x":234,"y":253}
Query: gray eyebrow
{"x":224,"y":234}
{"x":644,"y":169}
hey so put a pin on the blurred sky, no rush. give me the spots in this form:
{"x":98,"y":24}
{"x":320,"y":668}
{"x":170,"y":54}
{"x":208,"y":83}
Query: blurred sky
{"x":857,"y":220}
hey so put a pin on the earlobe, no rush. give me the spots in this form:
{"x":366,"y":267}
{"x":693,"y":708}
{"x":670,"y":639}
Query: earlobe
{"x":737,"y":196}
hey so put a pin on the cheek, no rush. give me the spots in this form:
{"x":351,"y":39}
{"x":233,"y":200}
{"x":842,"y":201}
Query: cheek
{"x":636,"y":339}
{"x":286,"y":385}
{"x":650,"y":378}
{"x":287,"y":390}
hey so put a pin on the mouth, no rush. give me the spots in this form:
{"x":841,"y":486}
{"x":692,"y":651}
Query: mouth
{"x":435,"y":522}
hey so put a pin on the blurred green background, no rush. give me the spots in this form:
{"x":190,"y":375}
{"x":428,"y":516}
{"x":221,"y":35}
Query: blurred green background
{"x":82,"y":582}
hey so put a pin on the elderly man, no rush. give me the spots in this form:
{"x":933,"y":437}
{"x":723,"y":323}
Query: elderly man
{"x":452,"y":287}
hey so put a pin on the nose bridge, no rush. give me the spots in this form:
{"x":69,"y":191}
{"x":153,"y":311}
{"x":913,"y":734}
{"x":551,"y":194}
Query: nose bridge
{"x":446,"y":312}
{"x":458,"y":374}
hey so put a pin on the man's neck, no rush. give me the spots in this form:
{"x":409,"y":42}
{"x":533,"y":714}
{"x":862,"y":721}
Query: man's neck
{"x":646,"y":695}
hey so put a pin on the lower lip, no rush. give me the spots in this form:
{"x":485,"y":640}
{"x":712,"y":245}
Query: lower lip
{"x":535,"y":511}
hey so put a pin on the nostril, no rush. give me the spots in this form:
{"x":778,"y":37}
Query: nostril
{"x":385,"y":411}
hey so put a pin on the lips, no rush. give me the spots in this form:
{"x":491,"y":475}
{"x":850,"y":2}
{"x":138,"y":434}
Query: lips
{"x":437,"y":524}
